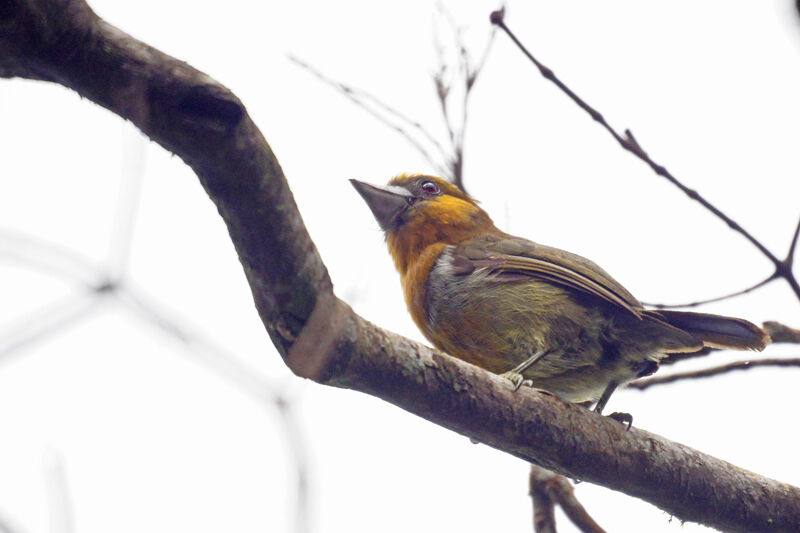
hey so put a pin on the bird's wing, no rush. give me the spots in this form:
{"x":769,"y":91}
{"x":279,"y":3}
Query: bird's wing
{"x":514,"y":259}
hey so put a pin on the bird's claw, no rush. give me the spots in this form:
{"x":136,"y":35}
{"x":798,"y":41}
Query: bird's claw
{"x":622,"y":418}
{"x":517,"y":379}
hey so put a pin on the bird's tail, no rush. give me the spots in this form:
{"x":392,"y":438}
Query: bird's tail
{"x":714,"y":330}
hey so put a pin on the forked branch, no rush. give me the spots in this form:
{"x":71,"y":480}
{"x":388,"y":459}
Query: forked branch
{"x":547,"y":490}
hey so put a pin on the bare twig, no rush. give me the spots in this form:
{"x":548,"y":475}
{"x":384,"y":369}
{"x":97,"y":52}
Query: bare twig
{"x":783,"y":268}
{"x":646,"y":383}
{"x":133,"y":165}
{"x":386,"y":115}
{"x":440,"y":78}
{"x":698,"y":303}
{"x":465,"y":76}
{"x":446,"y":161}
{"x":45,"y":322}
{"x":49,"y":258}
{"x":246,"y":380}
{"x":792,"y":247}
{"x":48,"y":321}
{"x":781,"y":333}
{"x":547,"y":489}
{"x":201,"y":348}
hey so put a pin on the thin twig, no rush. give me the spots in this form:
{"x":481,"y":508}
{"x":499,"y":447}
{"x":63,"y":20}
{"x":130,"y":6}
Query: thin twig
{"x":245,"y":380}
{"x":467,"y":72}
{"x":781,"y":333}
{"x":48,"y":257}
{"x":793,"y":246}
{"x":643,"y":384}
{"x":451,"y":165}
{"x":698,"y":303}
{"x":201,"y":348}
{"x":628,"y":142}
{"x":128,"y":200}
{"x":361,"y":98}
{"x":45,"y":322}
{"x":359,"y":93}
{"x":439,"y":78}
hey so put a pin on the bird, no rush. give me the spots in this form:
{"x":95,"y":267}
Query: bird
{"x":534,"y":314}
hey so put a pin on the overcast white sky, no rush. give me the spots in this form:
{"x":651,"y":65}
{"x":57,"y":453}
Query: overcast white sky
{"x":151,"y":435}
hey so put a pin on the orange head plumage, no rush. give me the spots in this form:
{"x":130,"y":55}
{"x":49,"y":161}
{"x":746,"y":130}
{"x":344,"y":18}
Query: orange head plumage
{"x":418,"y":211}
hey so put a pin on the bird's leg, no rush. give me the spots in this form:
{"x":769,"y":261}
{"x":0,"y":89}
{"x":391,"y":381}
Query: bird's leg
{"x":622,"y":418}
{"x":601,"y":403}
{"x":515,"y":374}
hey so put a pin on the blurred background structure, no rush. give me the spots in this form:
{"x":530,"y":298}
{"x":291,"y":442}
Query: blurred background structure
{"x":137,"y":387}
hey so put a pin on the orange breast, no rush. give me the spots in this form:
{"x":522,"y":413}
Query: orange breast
{"x":414,"y":280}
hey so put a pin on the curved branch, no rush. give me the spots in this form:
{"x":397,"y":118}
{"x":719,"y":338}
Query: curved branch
{"x":319,"y":336}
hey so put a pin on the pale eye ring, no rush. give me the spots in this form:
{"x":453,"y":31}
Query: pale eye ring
{"x":430,"y":187}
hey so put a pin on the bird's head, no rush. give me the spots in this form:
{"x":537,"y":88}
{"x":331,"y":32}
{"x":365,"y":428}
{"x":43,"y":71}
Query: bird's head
{"x":416,"y":211}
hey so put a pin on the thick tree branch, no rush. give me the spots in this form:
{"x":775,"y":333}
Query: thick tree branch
{"x":320,"y":336}
{"x":539,"y":427}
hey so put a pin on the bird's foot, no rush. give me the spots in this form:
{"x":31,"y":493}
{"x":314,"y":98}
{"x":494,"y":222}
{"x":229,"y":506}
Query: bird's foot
{"x":622,"y":418}
{"x":517,"y":379}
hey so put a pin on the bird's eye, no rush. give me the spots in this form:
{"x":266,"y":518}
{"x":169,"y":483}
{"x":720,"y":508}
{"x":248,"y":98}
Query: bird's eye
{"x":430,"y":187}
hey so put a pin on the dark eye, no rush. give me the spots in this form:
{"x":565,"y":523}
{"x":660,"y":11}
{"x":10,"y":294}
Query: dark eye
{"x":430,"y":187}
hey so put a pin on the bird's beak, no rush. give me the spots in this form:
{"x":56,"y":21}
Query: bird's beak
{"x":387,"y":203}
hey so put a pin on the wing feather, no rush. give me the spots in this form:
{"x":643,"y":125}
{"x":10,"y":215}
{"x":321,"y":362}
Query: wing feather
{"x":514,"y":259}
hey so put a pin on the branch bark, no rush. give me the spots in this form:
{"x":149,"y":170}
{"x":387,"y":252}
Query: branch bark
{"x":782,"y":333}
{"x":548,"y":489}
{"x":544,"y":506}
{"x":319,"y":336}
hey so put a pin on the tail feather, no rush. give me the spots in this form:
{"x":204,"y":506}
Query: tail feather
{"x":716,"y":331}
